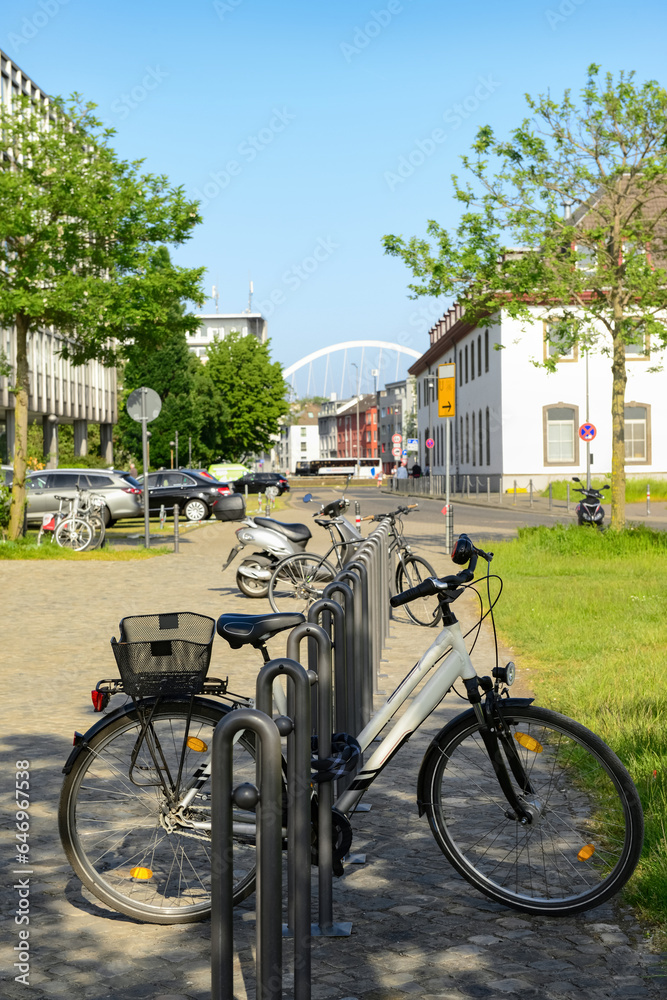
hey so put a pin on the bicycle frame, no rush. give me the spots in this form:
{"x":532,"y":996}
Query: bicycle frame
{"x":456,"y":664}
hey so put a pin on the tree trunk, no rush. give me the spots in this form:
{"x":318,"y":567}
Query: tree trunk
{"x":21,"y":397}
{"x":619,"y":379}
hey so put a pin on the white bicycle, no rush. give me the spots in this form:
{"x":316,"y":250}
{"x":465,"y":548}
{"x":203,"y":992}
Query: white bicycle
{"x":533,"y":809}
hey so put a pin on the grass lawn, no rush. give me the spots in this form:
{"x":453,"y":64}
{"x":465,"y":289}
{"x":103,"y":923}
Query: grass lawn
{"x":27,"y":548}
{"x":635,"y":489}
{"x":585,"y":612}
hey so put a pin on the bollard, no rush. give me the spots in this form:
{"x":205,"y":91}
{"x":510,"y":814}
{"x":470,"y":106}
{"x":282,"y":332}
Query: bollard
{"x":176,"y":527}
{"x":488,"y":489}
{"x":476,"y":487}
{"x":568,"y":498}
{"x":297,"y":728}
{"x":551,"y":496}
{"x":357,"y":515}
{"x":530,"y":490}
{"x":449,"y":526}
{"x":163,"y":516}
{"x":648,"y":499}
{"x":515,"y":492}
{"x":269,"y":849}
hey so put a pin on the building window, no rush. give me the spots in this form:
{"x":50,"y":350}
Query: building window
{"x":559,"y":341}
{"x":488,"y":437}
{"x":479,"y":432}
{"x":467,"y":440}
{"x":561,"y":441}
{"x":466,"y":362}
{"x":459,"y":441}
{"x":637,"y":433}
{"x":486,"y":350}
{"x":638,"y":350}
{"x":460,"y":370}
{"x":473,"y":439}
{"x":479,"y":355}
{"x":472,"y":361}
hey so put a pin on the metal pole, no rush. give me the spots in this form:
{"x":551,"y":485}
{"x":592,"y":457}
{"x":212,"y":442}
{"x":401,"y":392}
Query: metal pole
{"x":530,"y":486}
{"x":568,"y":498}
{"x":488,"y":489}
{"x":551,"y":496}
{"x":269,"y":849}
{"x":189,"y":452}
{"x":176,"y":440}
{"x":144,"y":452}
{"x":588,"y":444}
{"x":515,"y":492}
{"x":648,"y":499}
{"x":175,"y":527}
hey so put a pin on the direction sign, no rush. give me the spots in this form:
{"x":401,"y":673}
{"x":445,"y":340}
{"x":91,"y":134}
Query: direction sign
{"x":430,"y":443}
{"x":396,"y":452}
{"x":396,"y":438}
{"x":446,"y":390}
{"x":404,"y":452}
{"x":144,"y":404}
{"x":587,"y":432}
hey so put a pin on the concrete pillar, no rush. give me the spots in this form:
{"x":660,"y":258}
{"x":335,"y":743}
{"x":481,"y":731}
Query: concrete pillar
{"x":80,"y":438}
{"x":106,"y":443}
{"x":50,"y":438}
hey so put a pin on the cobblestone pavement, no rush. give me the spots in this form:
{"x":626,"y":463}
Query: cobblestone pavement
{"x":418,"y":929}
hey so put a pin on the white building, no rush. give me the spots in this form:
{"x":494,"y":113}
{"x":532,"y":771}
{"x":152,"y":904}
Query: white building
{"x":220,"y":324}
{"x":516,"y":421}
{"x":299,"y":439}
{"x":60,"y":392}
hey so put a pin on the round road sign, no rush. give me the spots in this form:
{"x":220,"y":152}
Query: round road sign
{"x":587,"y":432}
{"x":430,"y":443}
{"x":144,"y":404}
{"x":396,"y":452}
{"x":396,"y":438}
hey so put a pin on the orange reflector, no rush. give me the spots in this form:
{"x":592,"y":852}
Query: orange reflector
{"x":586,"y":852}
{"x":528,"y":742}
{"x":145,"y":873}
{"x":197,"y":745}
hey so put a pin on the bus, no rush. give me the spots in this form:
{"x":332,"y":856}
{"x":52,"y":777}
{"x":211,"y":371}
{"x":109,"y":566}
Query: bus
{"x":338,"y":467}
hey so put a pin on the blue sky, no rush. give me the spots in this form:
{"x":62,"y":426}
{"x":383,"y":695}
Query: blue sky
{"x":290,"y":121}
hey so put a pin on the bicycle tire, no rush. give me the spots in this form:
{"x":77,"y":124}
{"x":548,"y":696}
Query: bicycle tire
{"x":298,"y":581}
{"x":587,"y":800}
{"x":109,"y":827}
{"x":96,"y":522}
{"x":425,"y":610}
{"x":74,"y":533}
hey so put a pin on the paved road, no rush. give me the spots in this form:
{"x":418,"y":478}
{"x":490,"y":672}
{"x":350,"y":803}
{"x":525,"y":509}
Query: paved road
{"x":418,"y":929}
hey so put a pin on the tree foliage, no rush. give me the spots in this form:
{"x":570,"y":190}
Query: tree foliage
{"x":599,"y":270}
{"x":245,"y":400}
{"x":82,"y":235}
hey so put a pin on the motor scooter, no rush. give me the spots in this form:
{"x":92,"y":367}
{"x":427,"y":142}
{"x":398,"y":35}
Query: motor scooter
{"x":275,"y":541}
{"x":589,"y":509}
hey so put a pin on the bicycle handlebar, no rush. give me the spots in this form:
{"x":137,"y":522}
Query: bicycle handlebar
{"x":393,"y":513}
{"x":464,"y":552}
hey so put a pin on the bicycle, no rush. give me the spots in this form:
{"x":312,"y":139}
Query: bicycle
{"x":79,"y":527}
{"x":300,"y":579}
{"x":532,"y":808}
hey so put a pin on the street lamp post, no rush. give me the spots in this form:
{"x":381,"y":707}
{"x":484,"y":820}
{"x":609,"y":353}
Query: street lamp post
{"x":171,"y":453}
{"x":355,"y":365}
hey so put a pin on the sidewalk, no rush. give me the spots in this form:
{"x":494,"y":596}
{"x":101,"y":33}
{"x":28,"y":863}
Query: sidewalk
{"x":418,"y":929}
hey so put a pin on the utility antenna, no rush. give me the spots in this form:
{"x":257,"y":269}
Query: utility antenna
{"x":250,"y":298}
{"x":215,"y":297}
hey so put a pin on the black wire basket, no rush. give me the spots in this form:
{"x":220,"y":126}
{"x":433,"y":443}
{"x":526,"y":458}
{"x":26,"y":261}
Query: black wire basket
{"x":166,"y":655}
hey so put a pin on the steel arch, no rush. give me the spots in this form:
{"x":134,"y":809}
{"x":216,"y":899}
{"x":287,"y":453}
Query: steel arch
{"x":382,"y":344}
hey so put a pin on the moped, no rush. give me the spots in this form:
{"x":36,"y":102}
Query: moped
{"x":589,"y":509}
{"x":275,"y":541}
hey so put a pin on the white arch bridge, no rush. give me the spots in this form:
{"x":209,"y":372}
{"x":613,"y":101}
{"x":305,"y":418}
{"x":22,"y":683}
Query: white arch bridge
{"x":380,"y":358}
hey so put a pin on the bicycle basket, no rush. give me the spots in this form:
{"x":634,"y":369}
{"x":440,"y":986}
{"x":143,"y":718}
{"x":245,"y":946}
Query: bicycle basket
{"x":164,"y":654}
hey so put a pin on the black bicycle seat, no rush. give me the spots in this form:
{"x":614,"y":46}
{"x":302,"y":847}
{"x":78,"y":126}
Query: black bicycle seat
{"x":295,"y":532}
{"x":239,"y":630}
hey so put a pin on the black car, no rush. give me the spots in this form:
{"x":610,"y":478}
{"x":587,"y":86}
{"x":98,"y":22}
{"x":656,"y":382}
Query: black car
{"x":196,"y":495}
{"x":258,"y":481}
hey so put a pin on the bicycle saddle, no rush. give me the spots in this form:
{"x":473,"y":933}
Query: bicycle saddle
{"x":239,"y":630}
{"x":295,"y":532}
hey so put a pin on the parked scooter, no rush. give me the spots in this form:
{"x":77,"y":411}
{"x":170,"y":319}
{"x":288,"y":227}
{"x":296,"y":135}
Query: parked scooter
{"x":275,"y":541}
{"x":589,"y":509}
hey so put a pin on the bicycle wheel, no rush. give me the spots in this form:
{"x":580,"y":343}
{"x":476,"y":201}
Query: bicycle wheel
{"x":123,"y":840}
{"x":585,"y":839}
{"x":74,"y":533}
{"x":96,"y":522}
{"x":426,"y":610}
{"x":298,"y":581}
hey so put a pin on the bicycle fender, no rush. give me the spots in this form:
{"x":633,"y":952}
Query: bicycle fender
{"x":433,"y":752}
{"x":81,"y":741}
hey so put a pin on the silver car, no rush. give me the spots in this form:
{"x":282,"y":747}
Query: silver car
{"x":122,"y":493}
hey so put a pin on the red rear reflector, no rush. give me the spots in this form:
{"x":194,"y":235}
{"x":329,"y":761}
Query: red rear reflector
{"x":131,"y":489}
{"x":98,"y":700}
{"x":224,"y":489}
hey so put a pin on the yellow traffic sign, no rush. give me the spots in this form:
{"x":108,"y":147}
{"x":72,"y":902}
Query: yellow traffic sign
{"x":447,"y":390}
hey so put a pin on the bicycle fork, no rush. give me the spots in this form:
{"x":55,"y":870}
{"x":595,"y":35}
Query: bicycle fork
{"x":525,"y":808}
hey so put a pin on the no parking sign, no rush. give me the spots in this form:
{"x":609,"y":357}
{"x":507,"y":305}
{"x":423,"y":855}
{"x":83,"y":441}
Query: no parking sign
{"x":587,"y":432}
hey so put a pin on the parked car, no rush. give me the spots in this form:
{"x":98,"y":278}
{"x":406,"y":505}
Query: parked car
{"x":122,"y":493}
{"x":195,"y":494}
{"x":258,"y":481}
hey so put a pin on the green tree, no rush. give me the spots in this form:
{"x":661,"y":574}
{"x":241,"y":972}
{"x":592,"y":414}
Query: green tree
{"x":246,"y":397}
{"x":599,"y":270}
{"x":82,"y":231}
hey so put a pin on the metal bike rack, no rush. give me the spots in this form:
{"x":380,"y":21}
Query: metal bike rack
{"x":268,"y":802}
{"x":364,"y":666}
{"x":332,"y":613}
{"x":356,"y":719}
{"x":323,"y":667}
{"x":344,"y":652}
{"x":297,"y":728}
